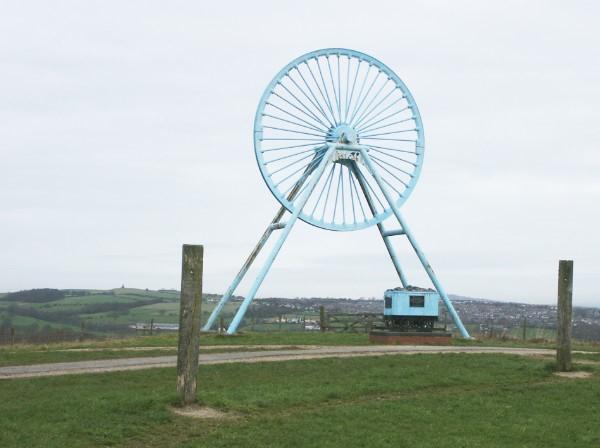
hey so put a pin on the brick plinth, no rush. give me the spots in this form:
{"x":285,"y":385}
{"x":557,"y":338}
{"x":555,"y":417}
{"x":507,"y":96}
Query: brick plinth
{"x":410,"y":338}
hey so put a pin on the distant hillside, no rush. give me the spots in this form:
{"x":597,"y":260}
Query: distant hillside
{"x":41,"y":312}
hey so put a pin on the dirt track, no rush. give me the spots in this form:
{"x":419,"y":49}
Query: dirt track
{"x":311,"y":352}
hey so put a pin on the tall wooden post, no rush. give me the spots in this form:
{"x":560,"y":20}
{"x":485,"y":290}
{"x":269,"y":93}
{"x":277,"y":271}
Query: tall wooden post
{"x":322,"y":322}
{"x":189,"y":322}
{"x":525,"y":327}
{"x":564,"y":315}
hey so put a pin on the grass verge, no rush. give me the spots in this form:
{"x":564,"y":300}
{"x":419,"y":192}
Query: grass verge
{"x":421,"y":400}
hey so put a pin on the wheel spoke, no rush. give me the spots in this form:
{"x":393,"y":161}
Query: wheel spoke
{"x":278,"y":170}
{"x":392,"y":166}
{"x":322,"y":190}
{"x":391,"y":139}
{"x":353,"y":182}
{"x":328,"y":191}
{"x":343,"y":195}
{"x":366,"y":110}
{"x":325,"y":89}
{"x":393,"y":156}
{"x":294,"y":139}
{"x":295,"y":132}
{"x":296,"y":117}
{"x":362,"y":88}
{"x":392,"y":149}
{"x":369,"y":187}
{"x":337,"y":102}
{"x":391,"y":174}
{"x":351,"y":195}
{"x":308,"y":165}
{"x":312,"y":75}
{"x":337,"y":193}
{"x":292,"y":122}
{"x":353,"y":85}
{"x":365,"y":96}
{"x":281,"y":148}
{"x":368,"y":129}
{"x":347,"y":89}
{"x":364,"y":124}
{"x":389,"y":133}
{"x":288,"y":156}
{"x":307,"y":109}
{"x":315,"y":104}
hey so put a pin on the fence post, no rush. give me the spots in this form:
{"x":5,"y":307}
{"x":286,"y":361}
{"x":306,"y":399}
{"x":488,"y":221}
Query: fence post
{"x":12,"y":335}
{"x":322,"y":322}
{"x":189,"y":322}
{"x":564,"y":317}
{"x":221,"y":325}
{"x":151,"y":325}
{"x":524,"y":328}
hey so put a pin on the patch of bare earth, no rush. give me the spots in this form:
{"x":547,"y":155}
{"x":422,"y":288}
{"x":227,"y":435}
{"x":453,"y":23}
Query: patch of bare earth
{"x":578,"y":374}
{"x":203,"y":412}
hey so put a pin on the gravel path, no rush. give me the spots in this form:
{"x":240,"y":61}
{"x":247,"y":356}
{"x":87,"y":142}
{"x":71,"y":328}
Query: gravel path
{"x":114,"y":365}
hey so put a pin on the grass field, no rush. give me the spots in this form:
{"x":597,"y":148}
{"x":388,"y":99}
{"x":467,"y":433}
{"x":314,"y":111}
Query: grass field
{"x":396,"y":401}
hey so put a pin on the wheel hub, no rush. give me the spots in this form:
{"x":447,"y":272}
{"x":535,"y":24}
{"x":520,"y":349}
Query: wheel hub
{"x":342,"y":133}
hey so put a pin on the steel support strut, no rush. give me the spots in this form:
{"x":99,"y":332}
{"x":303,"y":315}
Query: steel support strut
{"x":382,"y":231}
{"x":275,"y":224}
{"x":240,"y":275}
{"x":438,"y":286}
{"x":327,"y":156}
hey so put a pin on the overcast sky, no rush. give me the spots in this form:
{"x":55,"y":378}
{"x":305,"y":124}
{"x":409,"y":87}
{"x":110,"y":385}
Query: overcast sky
{"x":126,"y":131}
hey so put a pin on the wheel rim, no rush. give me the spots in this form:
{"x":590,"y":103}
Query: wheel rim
{"x":338,"y":96}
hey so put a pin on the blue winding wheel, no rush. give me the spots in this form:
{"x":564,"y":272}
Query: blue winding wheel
{"x":338,"y":97}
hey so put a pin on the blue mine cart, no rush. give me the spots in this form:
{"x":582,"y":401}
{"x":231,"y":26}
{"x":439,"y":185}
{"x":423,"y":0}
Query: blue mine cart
{"x":410,"y":308}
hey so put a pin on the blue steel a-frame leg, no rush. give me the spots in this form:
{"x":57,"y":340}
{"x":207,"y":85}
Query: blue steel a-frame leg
{"x":385,"y":235}
{"x":275,"y":224}
{"x":285,"y":231}
{"x":405,"y":230}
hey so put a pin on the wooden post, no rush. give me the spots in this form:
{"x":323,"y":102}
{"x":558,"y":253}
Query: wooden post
{"x":322,"y":323}
{"x":151,"y":325}
{"x":221,"y":325}
{"x":524,"y":327}
{"x":12,"y":335}
{"x":564,"y":315}
{"x":189,"y":322}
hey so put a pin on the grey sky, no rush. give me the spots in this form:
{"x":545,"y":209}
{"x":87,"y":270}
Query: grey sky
{"x":126,"y":130}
